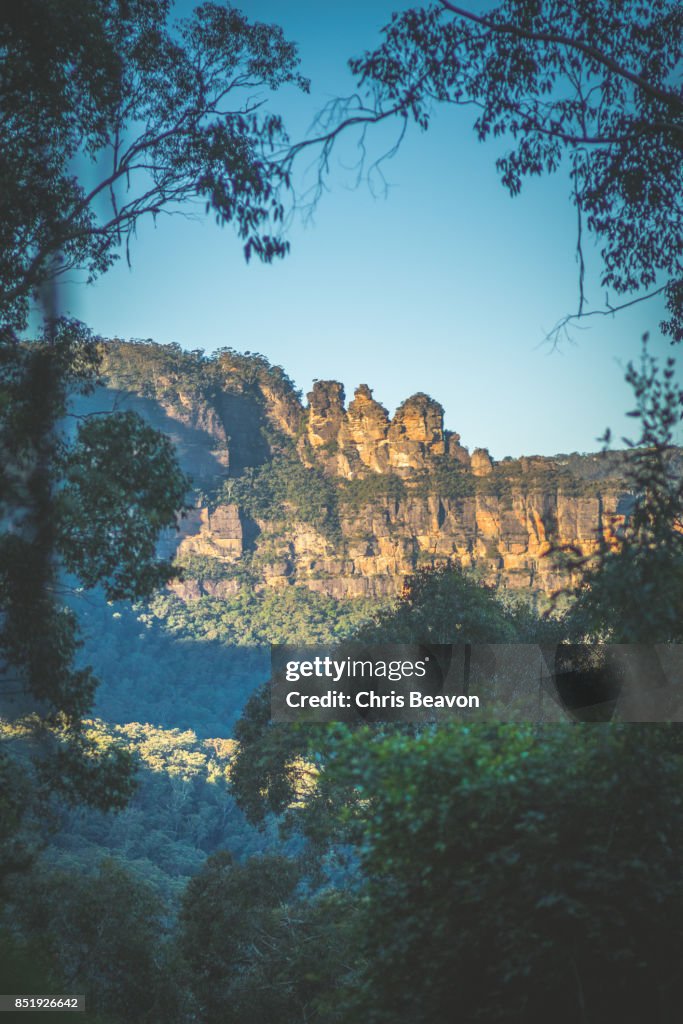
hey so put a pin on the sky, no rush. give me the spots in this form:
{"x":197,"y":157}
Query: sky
{"x":444,"y":285}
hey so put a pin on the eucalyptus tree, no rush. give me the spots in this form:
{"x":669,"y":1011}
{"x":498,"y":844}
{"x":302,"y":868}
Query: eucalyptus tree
{"x":110,"y":113}
{"x":588,"y":88}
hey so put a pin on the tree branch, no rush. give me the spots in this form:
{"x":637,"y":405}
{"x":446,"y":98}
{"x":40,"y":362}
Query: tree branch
{"x":609,"y":311}
{"x":366,"y":118}
{"x":506,"y":28}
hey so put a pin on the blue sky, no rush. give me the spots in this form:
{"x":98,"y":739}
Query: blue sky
{"x":446,"y":285}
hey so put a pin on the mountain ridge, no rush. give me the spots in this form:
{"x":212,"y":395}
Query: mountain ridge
{"x":342,"y":498}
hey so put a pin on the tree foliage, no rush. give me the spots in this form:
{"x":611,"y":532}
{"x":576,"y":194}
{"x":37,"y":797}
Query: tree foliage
{"x":446,"y":604}
{"x":107,"y":931}
{"x":587,"y":87}
{"x":285,"y":482}
{"x":112,"y":112}
{"x":518,"y":874}
{"x":109,"y":112}
{"x":502,"y":871}
{"x":109,"y":531}
{"x":71,"y":506}
{"x":258,"y":950}
{"x":276,"y":763}
{"x":634,"y":593}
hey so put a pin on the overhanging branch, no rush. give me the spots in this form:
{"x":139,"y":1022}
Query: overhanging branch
{"x":506,"y":28}
{"x":573,"y":318}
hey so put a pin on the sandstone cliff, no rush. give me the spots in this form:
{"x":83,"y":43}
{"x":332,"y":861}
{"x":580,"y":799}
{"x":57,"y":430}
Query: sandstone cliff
{"x":346,"y":499}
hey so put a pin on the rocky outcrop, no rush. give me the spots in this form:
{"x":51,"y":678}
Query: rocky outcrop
{"x":427,"y":500}
{"x":509,"y":540}
{"x":283,"y":409}
{"x":215,"y":533}
{"x":481,"y":462}
{"x":365,"y":431}
{"x":325,"y":413}
{"x":420,"y":418}
{"x":456,"y":451}
{"x":352,"y":442}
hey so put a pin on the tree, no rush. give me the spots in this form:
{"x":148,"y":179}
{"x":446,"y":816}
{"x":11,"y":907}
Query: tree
{"x":633,"y":593}
{"x":108,"y":113}
{"x":92,"y":508}
{"x":587,"y":87}
{"x":281,"y":767}
{"x":103,"y":934}
{"x":256,"y":950}
{"x":447,"y":605}
{"x":231,"y":920}
{"x":518,"y":874}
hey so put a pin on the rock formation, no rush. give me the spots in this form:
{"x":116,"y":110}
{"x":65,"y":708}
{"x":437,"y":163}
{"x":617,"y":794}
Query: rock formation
{"x":406,"y":493}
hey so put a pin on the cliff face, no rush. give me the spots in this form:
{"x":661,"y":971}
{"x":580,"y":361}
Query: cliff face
{"x":347,"y":500}
{"x":508,"y":540}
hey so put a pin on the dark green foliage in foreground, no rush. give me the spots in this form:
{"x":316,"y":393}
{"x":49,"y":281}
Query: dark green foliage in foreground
{"x":25,"y":967}
{"x":71,"y":505}
{"x":589,"y":89}
{"x":270,"y":763}
{"x":104,"y":934}
{"x":443,"y":605}
{"x":121,"y":85}
{"x":121,"y":487}
{"x":22,"y":816}
{"x":448,"y":605}
{"x":258,"y":951}
{"x":502,"y":872}
{"x":103,"y":875}
{"x":106,"y":930}
{"x":229,"y":921}
{"x":505,"y":873}
{"x":519,"y":874}
{"x":144,"y":98}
